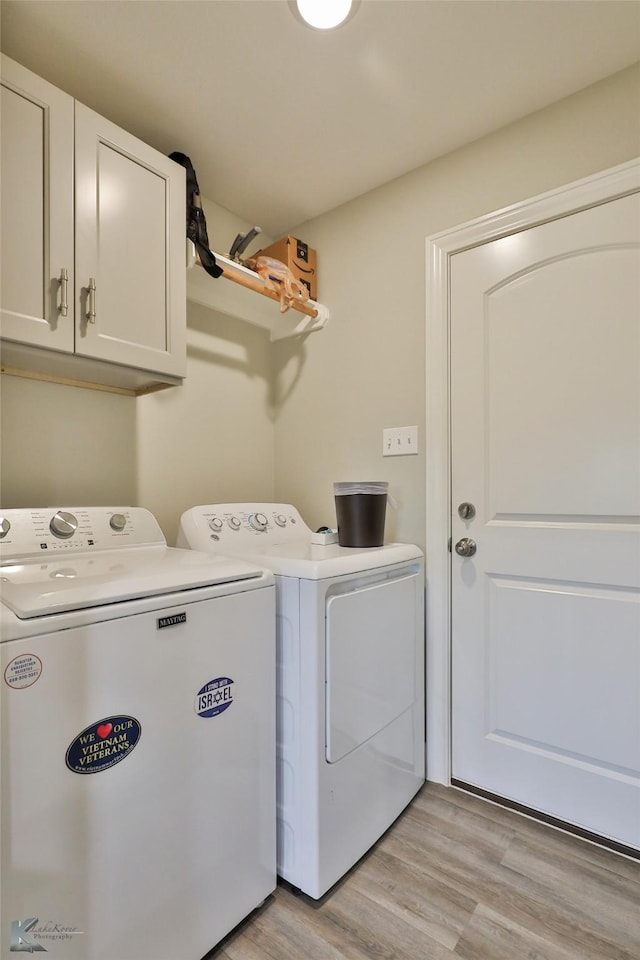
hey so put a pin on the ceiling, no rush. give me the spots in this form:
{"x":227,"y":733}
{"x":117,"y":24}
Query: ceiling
{"x":283,"y":123}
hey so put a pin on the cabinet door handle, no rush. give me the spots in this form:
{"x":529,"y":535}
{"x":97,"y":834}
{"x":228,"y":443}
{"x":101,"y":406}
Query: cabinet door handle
{"x":64,"y":301}
{"x":91,"y":301}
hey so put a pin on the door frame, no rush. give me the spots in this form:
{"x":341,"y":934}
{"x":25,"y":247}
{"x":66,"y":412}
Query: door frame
{"x":588,"y":192}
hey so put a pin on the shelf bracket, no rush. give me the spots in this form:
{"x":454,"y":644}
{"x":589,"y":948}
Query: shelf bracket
{"x":303,"y":317}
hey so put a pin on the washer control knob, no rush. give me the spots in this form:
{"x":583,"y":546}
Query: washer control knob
{"x":234,"y":523}
{"x":118,"y":522}
{"x":5,"y":526}
{"x":215,"y":524}
{"x":63,"y":525}
{"x":281,"y":520}
{"x":258,"y":521}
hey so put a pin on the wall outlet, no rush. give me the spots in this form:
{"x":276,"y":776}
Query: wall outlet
{"x":399,"y":441}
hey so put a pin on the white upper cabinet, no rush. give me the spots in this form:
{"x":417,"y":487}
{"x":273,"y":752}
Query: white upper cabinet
{"x":93,"y":288}
{"x":37,"y":209}
{"x":125,"y":222}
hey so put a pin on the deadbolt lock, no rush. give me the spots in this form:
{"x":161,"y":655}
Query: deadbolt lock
{"x":466,"y":511}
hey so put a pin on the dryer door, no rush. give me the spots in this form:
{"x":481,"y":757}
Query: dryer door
{"x":372,"y":635}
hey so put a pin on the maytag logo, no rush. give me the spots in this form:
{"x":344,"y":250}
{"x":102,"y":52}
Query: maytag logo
{"x":172,"y":621}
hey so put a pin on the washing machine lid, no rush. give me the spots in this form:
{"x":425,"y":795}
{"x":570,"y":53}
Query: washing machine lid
{"x":310,"y":561}
{"x":35,"y":588}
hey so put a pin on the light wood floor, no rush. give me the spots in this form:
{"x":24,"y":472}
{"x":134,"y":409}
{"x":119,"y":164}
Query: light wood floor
{"x":457,"y":877}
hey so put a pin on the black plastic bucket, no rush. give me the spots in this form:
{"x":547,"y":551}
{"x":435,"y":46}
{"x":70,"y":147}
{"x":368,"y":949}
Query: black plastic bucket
{"x":361,"y":511}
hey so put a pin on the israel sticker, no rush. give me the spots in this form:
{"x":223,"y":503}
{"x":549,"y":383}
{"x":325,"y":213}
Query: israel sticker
{"x":103,"y":744}
{"x":23,"y":671}
{"x":214,"y":698}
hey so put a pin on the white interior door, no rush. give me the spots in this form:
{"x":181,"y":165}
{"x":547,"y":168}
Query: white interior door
{"x":545,"y":441}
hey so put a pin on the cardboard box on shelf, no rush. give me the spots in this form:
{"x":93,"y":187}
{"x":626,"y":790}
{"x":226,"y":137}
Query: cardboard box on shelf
{"x":299,"y":257}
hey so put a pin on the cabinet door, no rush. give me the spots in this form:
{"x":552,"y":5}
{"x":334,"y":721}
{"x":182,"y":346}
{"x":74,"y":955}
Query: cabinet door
{"x":130,"y":244}
{"x":37,"y":209}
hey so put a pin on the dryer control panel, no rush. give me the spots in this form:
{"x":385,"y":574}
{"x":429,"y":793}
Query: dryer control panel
{"x":31,"y":532}
{"x":240,"y":525}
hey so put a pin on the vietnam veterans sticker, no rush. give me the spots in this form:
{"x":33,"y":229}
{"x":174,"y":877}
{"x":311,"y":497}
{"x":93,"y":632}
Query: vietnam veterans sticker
{"x":103,"y":744}
{"x":215,"y":697}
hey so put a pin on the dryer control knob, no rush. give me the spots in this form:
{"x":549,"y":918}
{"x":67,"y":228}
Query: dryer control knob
{"x":258,"y":521}
{"x":234,"y":523}
{"x":63,"y":525}
{"x":5,"y":526}
{"x":281,"y":520}
{"x":118,"y":522}
{"x":215,"y":524}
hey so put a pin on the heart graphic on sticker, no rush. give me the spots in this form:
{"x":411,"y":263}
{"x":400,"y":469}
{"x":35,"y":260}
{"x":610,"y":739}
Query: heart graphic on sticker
{"x":104,"y":730}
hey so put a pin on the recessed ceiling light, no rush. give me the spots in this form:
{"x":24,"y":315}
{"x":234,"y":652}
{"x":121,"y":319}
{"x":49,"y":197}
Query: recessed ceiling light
{"x":324,"y":14}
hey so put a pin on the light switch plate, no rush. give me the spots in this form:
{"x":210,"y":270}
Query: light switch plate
{"x":399,"y":441}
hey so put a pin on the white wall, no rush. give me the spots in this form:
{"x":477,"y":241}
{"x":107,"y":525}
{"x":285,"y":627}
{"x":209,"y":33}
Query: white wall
{"x":261,"y":420}
{"x":210,"y":439}
{"x":366,"y":370}
{"x":64,"y":445}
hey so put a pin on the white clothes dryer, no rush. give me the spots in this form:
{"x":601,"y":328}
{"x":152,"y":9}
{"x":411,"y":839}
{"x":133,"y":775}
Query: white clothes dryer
{"x":138,"y":738}
{"x":350,"y":681}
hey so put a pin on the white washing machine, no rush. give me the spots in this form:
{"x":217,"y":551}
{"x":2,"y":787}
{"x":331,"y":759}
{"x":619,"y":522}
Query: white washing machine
{"x":138,"y":738}
{"x":350,"y":718}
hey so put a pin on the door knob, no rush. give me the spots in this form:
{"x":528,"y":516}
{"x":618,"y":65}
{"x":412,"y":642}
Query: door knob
{"x":465,"y":547}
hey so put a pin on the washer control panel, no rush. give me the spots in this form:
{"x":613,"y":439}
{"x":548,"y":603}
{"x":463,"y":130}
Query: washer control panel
{"x":30,"y":532}
{"x":243,"y":525}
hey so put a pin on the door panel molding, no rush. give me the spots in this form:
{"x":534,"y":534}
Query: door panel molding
{"x":580,"y":195}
